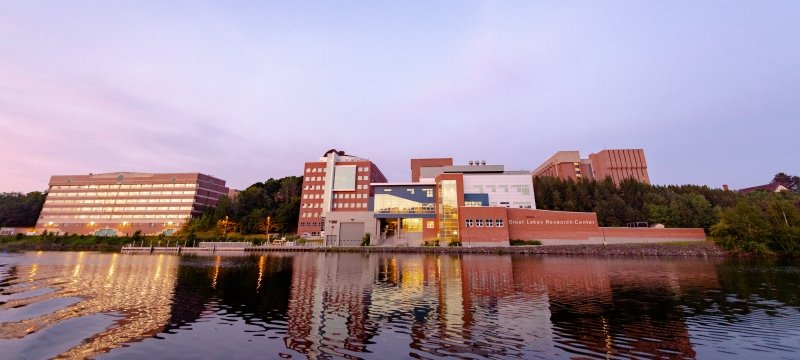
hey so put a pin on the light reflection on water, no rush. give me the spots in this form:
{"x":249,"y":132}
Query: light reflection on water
{"x":385,"y":306}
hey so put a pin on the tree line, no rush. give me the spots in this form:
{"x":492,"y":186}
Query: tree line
{"x":759,"y":222}
{"x":20,"y":210}
{"x":273,"y":205}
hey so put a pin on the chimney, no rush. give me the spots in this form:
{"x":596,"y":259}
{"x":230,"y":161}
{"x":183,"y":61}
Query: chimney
{"x":725,"y":187}
{"x":483,"y":162}
{"x":471,"y":162}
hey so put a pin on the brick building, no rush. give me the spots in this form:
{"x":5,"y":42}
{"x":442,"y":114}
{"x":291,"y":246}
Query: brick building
{"x":336,"y":183}
{"x":618,"y":164}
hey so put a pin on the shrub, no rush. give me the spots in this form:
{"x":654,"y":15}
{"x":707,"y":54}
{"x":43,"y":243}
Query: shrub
{"x":454,"y":243}
{"x":431,"y":242}
{"x":365,"y":239}
{"x":524,"y":242}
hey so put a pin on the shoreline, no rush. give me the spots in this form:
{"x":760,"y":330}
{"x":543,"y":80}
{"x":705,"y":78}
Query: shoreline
{"x":693,"y":249}
{"x":704,"y":249}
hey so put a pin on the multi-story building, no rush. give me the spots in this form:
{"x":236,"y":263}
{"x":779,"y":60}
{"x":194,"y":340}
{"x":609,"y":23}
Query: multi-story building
{"x":475,"y":205}
{"x":336,"y":183}
{"x":424,"y":170}
{"x":122,"y":203}
{"x":617,"y":164}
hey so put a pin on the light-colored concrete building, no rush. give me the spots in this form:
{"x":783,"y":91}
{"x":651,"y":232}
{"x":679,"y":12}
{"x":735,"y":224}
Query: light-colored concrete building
{"x":121,"y":203}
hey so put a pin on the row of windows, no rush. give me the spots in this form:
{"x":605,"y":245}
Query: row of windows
{"x":120,"y":208}
{"x":319,"y":187}
{"x":349,"y":205}
{"x":120,"y":201}
{"x":109,"y":217}
{"x":488,"y":222}
{"x":305,"y":214}
{"x":103,"y":225}
{"x":121,"y":193}
{"x":315,"y":224}
{"x":312,"y":205}
{"x":322,"y":169}
{"x":320,"y":178}
{"x":350,"y":196}
{"x":312,"y":196}
{"x":125,"y":186}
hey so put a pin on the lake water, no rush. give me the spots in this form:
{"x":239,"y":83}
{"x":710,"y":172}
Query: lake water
{"x":395,"y":306}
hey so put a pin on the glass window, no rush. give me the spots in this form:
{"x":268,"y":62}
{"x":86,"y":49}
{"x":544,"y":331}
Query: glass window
{"x":478,"y":222}
{"x":499,"y":222}
{"x":489,"y":223}
{"x":469,"y":222}
{"x":447,"y":202}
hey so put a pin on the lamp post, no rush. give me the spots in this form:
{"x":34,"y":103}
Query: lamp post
{"x":125,"y":225}
{"x":269,"y":223}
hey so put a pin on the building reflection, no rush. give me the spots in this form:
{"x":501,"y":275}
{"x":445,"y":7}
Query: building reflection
{"x":139,"y":288}
{"x":345,"y":304}
{"x":487,"y":305}
{"x":329,"y":309}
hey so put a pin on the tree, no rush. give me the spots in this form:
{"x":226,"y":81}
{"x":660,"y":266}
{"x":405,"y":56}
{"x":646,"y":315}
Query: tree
{"x":21,"y":210}
{"x":226,"y":225}
{"x":789,"y":181}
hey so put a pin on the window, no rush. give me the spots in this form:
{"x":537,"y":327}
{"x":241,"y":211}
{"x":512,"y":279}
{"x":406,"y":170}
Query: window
{"x":430,"y":224}
{"x":489,"y":223}
{"x":469,"y":223}
{"x":478,"y":222}
{"x":499,"y":222}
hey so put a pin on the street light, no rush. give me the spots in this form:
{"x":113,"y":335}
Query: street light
{"x":269,"y":223}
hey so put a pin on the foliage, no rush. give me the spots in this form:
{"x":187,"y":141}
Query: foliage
{"x":20,"y":210}
{"x":792,"y":182}
{"x":454,"y":243}
{"x":365,"y":239}
{"x":761,"y":223}
{"x":632,"y":201}
{"x":524,"y":242}
{"x":278,"y":199}
{"x":431,"y":242}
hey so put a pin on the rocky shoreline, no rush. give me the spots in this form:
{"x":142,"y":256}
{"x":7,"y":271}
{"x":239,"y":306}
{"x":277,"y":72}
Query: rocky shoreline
{"x":699,"y":249}
{"x":694,"y":249}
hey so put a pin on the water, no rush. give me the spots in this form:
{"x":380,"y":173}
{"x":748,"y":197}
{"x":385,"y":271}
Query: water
{"x":393,"y":306}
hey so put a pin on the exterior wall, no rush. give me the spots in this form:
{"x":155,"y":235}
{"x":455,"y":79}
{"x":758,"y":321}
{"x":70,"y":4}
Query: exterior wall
{"x":620,"y":164}
{"x":126,"y":202}
{"x":558,"y":228}
{"x":319,"y":199}
{"x":560,"y":165}
{"x":311,"y":200}
{"x":638,"y":235}
{"x":418,"y":164}
{"x":483,"y":235}
{"x":541,"y":225}
{"x":506,"y":190}
{"x":334,"y":221}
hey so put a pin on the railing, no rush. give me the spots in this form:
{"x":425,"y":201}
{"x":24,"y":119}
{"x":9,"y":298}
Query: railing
{"x":220,"y":244}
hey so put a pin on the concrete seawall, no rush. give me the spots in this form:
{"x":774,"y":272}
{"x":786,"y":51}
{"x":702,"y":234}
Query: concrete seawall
{"x":695,"y":249}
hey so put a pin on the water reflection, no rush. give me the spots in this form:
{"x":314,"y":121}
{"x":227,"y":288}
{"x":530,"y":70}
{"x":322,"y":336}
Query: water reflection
{"x":379,"y":306}
{"x":137,"y":289}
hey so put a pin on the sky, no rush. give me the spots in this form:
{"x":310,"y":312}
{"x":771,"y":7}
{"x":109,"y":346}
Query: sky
{"x":247,"y":91}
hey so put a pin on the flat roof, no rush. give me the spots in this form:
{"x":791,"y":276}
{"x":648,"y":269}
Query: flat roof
{"x":403,"y":184}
